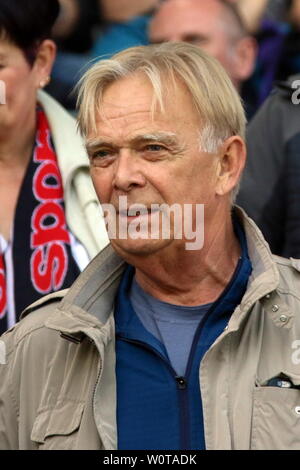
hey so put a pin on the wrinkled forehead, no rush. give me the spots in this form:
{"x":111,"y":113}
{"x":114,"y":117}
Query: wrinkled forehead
{"x":137,"y":94}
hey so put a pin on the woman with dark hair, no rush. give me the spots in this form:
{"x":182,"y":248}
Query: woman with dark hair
{"x":50,"y":221}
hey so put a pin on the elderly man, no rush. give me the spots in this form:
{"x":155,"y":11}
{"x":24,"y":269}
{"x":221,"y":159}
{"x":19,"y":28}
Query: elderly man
{"x":213,"y":25}
{"x":165,"y":341}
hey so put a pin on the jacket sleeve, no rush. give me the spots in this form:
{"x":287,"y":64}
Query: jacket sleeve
{"x":269,"y":187}
{"x":264,"y":159}
{"x":291,"y":245}
{"x":8,"y":402}
{"x":29,"y":349}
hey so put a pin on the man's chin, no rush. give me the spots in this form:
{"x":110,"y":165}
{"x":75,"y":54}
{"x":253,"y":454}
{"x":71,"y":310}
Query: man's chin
{"x":138,"y":247}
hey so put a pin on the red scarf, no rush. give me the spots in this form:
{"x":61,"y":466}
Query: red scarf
{"x":2,"y":289}
{"x":42,"y":257}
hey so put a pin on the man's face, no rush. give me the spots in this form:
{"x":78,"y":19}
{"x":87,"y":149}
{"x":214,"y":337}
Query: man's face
{"x":149,"y":158}
{"x":198,"y":22}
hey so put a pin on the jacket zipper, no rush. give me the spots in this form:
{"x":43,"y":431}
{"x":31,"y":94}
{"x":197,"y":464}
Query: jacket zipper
{"x":182,"y":393}
{"x":182,"y":382}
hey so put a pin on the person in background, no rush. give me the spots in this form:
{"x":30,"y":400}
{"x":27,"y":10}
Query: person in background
{"x":87,"y":30}
{"x":50,"y":224}
{"x":275,"y":25}
{"x":213,"y":25}
{"x":173,"y":338}
{"x":126,"y":26}
{"x":125,"y":10}
{"x":73,"y":29}
{"x":252,"y":12}
{"x":73,"y":33}
{"x":270,"y":187}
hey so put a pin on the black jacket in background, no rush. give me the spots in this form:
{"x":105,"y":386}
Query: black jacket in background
{"x":270,"y":187}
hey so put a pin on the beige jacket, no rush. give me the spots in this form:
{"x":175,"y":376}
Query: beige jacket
{"x":83,"y":211}
{"x":58,"y":386}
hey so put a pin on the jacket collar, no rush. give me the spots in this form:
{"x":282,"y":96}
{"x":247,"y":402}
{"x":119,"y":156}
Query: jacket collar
{"x":265,"y":275}
{"x":263,"y":282}
{"x":90,"y":301}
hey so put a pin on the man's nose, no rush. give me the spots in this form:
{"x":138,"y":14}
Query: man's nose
{"x":128,"y":173}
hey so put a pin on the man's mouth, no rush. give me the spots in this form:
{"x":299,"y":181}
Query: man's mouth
{"x":134,"y":212}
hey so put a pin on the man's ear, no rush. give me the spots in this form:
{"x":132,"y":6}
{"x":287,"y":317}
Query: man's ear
{"x":232,"y":159}
{"x":44,"y":62}
{"x":245,"y":59}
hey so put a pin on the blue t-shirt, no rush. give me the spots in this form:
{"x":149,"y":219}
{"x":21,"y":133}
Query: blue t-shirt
{"x":173,"y":325}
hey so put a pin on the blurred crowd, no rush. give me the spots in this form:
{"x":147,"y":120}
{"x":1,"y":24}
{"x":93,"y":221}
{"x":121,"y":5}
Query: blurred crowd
{"x":88,"y":30}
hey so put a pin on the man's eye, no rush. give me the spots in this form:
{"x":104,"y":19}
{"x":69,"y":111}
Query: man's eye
{"x":154,"y":148}
{"x":102,"y":154}
{"x":102,"y":157}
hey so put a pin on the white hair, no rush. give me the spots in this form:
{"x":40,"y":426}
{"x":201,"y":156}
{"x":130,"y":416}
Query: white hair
{"x":220,"y":110}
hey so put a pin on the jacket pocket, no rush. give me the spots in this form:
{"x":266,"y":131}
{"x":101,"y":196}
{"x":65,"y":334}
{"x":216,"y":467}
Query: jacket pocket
{"x":57,"y":428}
{"x":276,"y":418}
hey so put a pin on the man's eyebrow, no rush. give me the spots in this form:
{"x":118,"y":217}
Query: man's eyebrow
{"x":94,"y":144}
{"x":167,"y":138}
